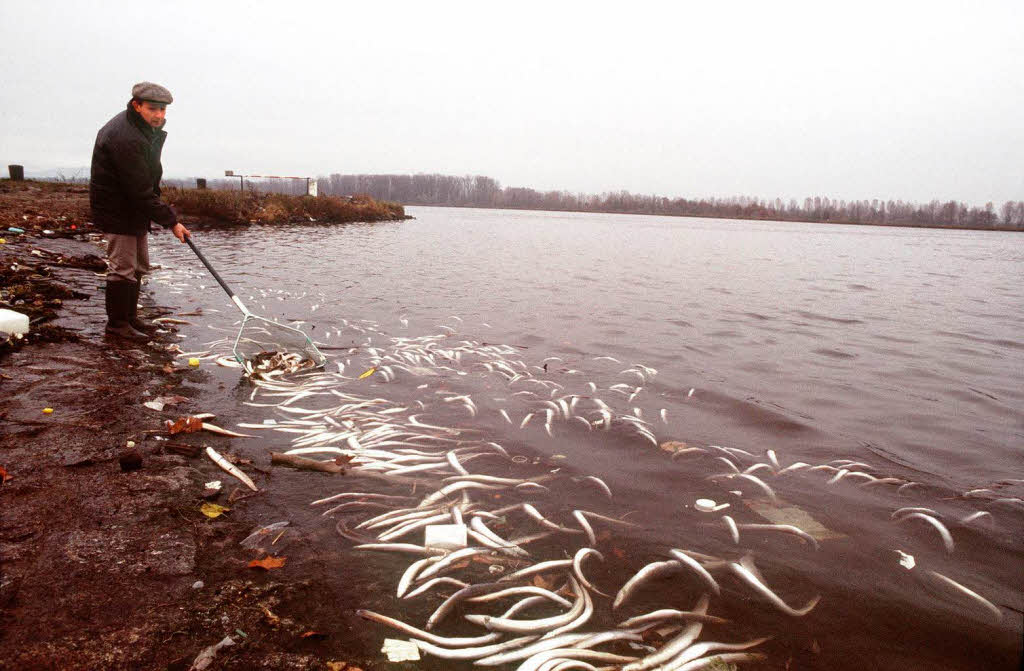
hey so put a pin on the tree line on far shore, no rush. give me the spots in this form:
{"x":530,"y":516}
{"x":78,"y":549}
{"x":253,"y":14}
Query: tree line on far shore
{"x":486,"y":192}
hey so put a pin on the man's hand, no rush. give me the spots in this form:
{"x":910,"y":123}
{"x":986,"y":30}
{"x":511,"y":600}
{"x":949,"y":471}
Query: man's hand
{"x":181,"y":232}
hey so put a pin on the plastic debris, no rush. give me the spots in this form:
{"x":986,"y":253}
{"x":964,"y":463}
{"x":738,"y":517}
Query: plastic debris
{"x":205,"y":658}
{"x":254,"y":539}
{"x":906,"y":561}
{"x":400,"y":651}
{"x":194,"y":362}
{"x":709,"y":506}
{"x":47,"y":411}
{"x":13,"y":322}
{"x":777,"y":513}
{"x":198,"y":584}
{"x":445,"y":536}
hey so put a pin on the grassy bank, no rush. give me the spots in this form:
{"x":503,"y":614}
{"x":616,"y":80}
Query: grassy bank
{"x":245,"y":207}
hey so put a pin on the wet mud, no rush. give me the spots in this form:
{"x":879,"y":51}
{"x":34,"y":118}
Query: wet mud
{"x":104,"y":568}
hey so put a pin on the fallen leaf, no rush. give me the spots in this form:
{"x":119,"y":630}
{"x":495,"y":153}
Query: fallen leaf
{"x":4,"y":477}
{"x":343,"y":459}
{"x":368,"y":373}
{"x":212,"y":510}
{"x":319,"y":636}
{"x":184,"y":425}
{"x":268,"y":563}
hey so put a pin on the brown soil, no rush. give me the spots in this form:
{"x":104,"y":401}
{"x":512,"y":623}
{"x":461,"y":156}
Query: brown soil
{"x":99,"y":565}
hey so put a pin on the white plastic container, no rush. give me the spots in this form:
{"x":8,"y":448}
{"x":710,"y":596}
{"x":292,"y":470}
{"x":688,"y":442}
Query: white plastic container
{"x":445,"y":536}
{"x":13,"y":323}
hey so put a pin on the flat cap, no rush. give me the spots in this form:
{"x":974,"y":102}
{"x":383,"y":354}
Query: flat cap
{"x":152,"y":92}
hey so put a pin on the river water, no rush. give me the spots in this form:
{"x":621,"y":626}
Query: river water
{"x":895,"y":347}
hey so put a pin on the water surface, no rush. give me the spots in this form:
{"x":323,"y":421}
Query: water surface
{"x":897,"y":347}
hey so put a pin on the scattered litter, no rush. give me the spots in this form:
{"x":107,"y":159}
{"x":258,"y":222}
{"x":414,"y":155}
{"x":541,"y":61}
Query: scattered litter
{"x":13,"y":322}
{"x":254,"y":539}
{"x":198,"y":584}
{"x":784,"y":514}
{"x":213,"y":510}
{"x":4,"y":477}
{"x":47,"y":411}
{"x":906,"y":561}
{"x":194,"y":362}
{"x":363,"y":376}
{"x":130,"y":444}
{"x":445,"y":536}
{"x":709,"y":506}
{"x":241,"y":633}
{"x":205,"y":658}
{"x":400,"y":651}
{"x":495,"y":569}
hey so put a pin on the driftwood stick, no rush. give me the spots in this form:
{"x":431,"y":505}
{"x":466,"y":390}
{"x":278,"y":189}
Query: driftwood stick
{"x":304,"y":464}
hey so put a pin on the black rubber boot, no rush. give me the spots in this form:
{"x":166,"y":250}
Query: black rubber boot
{"x":119,"y":295}
{"x":133,"y":315}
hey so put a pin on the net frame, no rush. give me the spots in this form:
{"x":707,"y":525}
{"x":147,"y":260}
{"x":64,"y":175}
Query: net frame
{"x":246,"y":345}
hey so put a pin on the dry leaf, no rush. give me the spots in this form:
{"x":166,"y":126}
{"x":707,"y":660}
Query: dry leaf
{"x":343,"y":459}
{"x":212,"y":510}
{"x":3,"y":475}
{"x":673,"y":445}
{"x":184,"y":425}
{"x":314,"y":634}
{"x":338,"y":666}
{"x":267,"y":563}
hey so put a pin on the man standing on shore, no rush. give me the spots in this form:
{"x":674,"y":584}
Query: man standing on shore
{"x":124,"y":194}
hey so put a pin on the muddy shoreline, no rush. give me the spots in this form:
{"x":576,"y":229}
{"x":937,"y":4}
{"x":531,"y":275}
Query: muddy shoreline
{"x":110,"y":569}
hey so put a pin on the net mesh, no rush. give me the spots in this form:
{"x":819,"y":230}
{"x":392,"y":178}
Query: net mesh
{"x":260,"y":337}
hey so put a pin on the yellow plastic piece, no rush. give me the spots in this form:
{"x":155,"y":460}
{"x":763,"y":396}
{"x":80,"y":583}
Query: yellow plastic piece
{"x":193,"y":362}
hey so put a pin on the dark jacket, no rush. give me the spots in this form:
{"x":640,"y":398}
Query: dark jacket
{"x":124,"y":186}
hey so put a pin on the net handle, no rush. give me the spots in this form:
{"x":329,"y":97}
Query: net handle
{"x":224,"y":285}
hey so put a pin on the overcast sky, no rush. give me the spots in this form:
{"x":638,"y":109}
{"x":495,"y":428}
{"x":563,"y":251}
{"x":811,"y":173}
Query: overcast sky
{"x":912,"y":100}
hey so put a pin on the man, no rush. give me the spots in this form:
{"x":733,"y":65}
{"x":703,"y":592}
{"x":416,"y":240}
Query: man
{"x":124,"y":193}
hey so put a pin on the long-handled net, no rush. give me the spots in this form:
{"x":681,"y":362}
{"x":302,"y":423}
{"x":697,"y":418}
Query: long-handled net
{"x":264,"y":346}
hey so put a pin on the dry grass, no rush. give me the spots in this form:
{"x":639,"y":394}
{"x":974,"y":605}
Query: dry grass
{"x":238,"y":207}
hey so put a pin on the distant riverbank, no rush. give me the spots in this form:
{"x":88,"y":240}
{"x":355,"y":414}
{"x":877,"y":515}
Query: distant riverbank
{"x":485,"y":192}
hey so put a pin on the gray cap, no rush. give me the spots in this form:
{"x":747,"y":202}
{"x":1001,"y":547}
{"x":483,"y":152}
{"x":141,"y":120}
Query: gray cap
{"x":152,"y":92}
